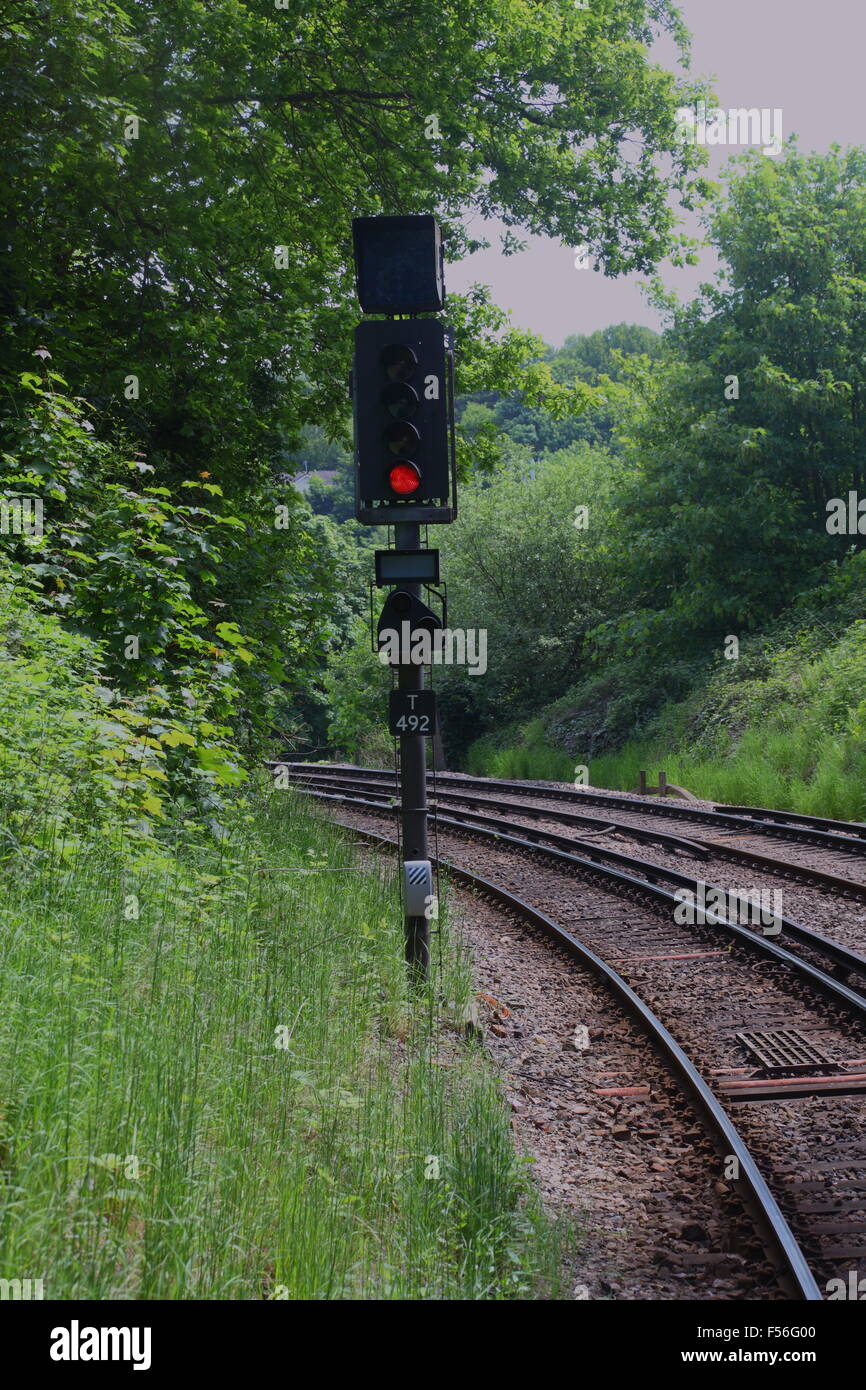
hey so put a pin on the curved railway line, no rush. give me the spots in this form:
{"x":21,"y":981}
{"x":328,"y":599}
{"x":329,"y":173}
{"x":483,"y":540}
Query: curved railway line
{"x":838,"y":851}
{"x":772,"y":1026}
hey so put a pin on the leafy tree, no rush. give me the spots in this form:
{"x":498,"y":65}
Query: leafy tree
{"x":584,"y":361}
{"x":148,"y":250}
{"x":528,"y":567}
{"x":213,"y":622}
{"x":176,"y":237}
{"x":336,"y":498}
{"x":316,"y":450}
{"x":590,"y":357}
{"x":755,"y":419}
{"x":357,"y":685}
{"x":74,"y":763}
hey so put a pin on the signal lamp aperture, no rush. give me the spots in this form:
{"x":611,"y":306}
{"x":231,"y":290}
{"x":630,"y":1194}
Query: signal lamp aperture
{"x":402,"y":438}
{"x":404,"y":478}
{"x":400,"y":400}
{"x":399,"y":361}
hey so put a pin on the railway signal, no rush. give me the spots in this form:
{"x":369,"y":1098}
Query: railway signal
{"x":402,"y":389}
{"x":405,"y":474}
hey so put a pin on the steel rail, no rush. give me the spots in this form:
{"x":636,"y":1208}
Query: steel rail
{"x":617,"y":878}
{"x":662,"y":837}
{"x":834,"y":950}
{"x":856,"y":828}
{"x":841,"y":956}
{"x":803,"y":833}
{"x":698,"y":848}
{"x":725,"y":1133}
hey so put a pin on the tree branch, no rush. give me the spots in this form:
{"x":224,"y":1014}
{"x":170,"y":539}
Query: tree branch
{"x":306,"y":98}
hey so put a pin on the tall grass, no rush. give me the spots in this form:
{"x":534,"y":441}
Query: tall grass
{"x":784,"y":768}
{"x":795,"y":739}
{"x":791,"y":769}
{"x":531,"y":758}
{"x":217,"y":1085}
{"x":792,"y":737}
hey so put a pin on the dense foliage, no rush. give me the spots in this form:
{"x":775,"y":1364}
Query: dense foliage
{"x":236,"y":1098}
{"x":183,"y":177}
{"x":719,"y":463}
{"x":177,"y":294}
{"x":162,"y":579}
{"x":728,"y":502}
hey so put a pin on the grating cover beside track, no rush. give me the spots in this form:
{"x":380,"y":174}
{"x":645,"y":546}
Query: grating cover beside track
{"x":785,"y":1050}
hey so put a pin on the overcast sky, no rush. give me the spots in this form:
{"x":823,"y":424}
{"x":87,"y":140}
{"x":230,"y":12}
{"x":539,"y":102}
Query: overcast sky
{"x":807,"y":58}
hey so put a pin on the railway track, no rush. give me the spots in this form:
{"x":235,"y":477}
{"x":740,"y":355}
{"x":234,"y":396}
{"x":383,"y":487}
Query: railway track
{"x":836,"y":852}
{"x":834,"y":957}
{"x":762,"y":1028}
{"x":829,"y":834}
{"x":789,"y":825}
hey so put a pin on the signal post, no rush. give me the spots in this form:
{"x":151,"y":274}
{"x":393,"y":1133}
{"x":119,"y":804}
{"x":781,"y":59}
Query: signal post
{"x":403,"y":406}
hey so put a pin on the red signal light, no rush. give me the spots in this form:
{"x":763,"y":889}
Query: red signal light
{"x":404,"y":478}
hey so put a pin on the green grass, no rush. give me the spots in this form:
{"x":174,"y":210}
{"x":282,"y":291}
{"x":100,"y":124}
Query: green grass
{"x":786,"y":729}
{"x":217,"y":1084}
{"x":793,"y":738}
{"x":531,"y":758}
{"x":781,"y":768}
{"x":792,"y":769}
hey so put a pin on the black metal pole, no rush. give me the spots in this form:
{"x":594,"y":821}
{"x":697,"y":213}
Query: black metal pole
{"x":413,"y":779}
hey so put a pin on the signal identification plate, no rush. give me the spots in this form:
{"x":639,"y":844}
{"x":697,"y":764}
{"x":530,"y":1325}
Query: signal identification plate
{"x":412,"y":712}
